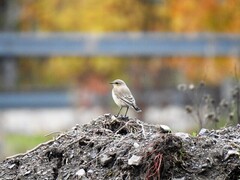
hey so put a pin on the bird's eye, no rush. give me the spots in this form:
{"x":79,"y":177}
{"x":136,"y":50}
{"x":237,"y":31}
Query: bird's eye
{"x":116,"y":83}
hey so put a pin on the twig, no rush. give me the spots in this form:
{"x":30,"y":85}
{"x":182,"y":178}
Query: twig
{"x":124,"y":126}
{"x":52,"y":133}
{"x":143,"y":131}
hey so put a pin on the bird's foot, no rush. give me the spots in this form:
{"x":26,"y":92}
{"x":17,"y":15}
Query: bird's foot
{"x":125,"y":118}
{"x":121,"y":117}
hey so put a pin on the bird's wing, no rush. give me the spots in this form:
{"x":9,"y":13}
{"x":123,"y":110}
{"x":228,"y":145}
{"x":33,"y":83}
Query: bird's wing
{"x":126,"y":96}
{"x":128,"y":99}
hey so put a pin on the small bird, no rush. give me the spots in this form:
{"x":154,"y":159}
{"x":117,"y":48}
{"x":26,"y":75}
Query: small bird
{"x":123,"y":97}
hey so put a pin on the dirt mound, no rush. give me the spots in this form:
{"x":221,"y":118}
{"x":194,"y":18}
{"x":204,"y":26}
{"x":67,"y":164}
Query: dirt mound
{"x":110,"y":148}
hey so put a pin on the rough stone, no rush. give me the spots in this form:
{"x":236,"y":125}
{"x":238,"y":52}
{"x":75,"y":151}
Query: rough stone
{"x":105,"y":149}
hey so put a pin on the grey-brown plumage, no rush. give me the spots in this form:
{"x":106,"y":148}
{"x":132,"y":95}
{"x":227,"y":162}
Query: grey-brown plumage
{"x":123,"y":97}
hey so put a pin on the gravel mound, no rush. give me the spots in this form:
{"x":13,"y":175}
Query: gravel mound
{"x":111,"y":148}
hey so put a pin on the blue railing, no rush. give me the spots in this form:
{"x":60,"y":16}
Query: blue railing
{"x":14,"y":45}
{"x":35,"y":99}
{"x":118,"y":44}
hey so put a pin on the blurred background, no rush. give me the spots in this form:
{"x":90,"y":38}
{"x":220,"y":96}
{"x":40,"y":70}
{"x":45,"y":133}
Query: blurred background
{"x":57,"y":58}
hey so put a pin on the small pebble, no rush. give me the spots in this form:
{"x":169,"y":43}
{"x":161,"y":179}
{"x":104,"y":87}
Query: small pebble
{"x":81,"y":173}
{"x":135,"y":160}
{"x":105,"y":159}
{"x":165,"y":129}
{"x":136,"y":145}
{"x":90,"y":171}
{"x":182,"y":135}
{"x":203,"y":131}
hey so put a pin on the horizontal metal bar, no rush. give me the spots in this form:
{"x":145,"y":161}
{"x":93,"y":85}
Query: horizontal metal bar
{"x":35,"y":99}
{"x":119,"y":44}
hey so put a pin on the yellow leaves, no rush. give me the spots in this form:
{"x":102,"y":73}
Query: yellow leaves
{"x":211,"y":70}
{"x":132,"y":15}
{"x":62,"y":70}
{"x":205,"y":15}
{"x":91,"y":15}
{"x":186,"y":16}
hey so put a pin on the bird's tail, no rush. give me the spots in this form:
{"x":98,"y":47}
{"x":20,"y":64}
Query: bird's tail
{"x":137,"y":108}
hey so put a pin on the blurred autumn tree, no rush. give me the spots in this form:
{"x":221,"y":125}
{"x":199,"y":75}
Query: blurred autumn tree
{"x":132,"y":15}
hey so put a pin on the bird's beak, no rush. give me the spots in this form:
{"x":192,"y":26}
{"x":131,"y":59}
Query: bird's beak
{"x":111,"y":83}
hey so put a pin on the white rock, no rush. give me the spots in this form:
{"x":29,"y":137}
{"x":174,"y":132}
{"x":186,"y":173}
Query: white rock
{"x":107,"y":115}
{"x":135,"y":160}
{"x":90,"y":171}
{"x":182,"y":135}
{"x":150,"y":149}
{"x":165,"y":128}
{"x":113,"y":118}
{"x":183,"y":178}
{"x":81,"y":173}
{"x":12,"y":166}
{"x":136,"y":145}
{"x":203,"y":131}
{"x":231,"y":152}
{"x":105,"y":159}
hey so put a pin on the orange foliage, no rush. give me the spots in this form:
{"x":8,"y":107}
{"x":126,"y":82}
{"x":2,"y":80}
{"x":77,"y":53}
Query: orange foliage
{"x":211,"y":70}
{"x":133,"y":15}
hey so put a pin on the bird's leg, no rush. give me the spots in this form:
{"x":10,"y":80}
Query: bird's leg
{"x":126,"y":112}
{"x":119,"y":111}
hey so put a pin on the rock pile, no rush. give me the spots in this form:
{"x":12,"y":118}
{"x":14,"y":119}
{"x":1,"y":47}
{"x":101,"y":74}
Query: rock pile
{"x":111,"y":148}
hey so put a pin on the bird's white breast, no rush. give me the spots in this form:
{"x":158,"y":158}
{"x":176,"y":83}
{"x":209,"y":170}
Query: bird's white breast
{"x":118,"y":101}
